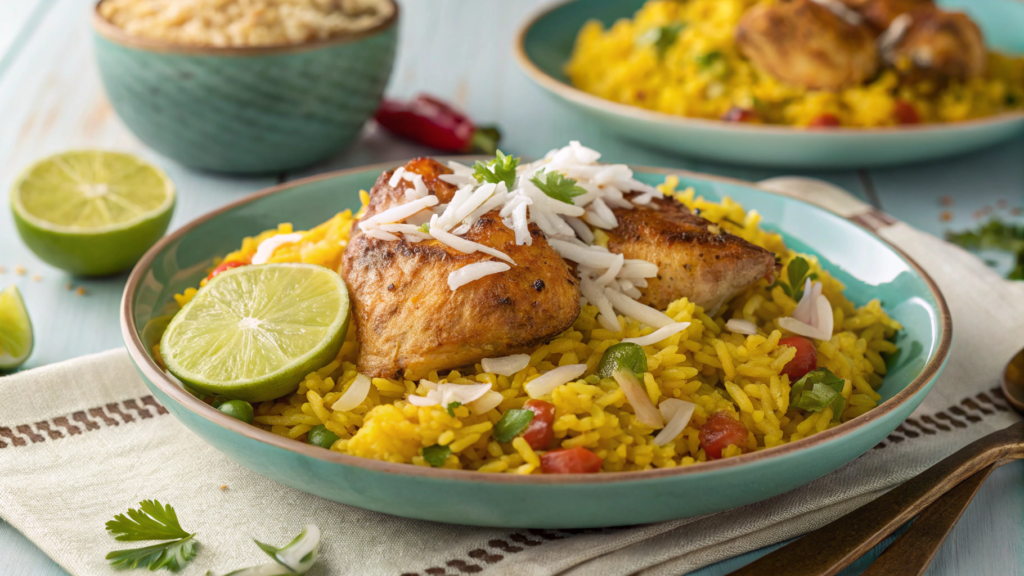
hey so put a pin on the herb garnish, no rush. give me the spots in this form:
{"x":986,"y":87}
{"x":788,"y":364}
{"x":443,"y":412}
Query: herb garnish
{"x":557,"y":186}
{"x":451,"y":408}
{"x":512,"y":423}
{"x":501,"y":169}
{"x":995,"y":235}
{"x":436,"y":455}
{"x":662,"y":38}
{"x":797,"y":271}
{"x":623,"y":356}
{"x":707,"y":59}
{"x":152,"y":521}
{"x":817,"y":390}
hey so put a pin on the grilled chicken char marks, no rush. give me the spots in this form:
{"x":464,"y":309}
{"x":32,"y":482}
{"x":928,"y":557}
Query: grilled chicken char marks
{"x":408,"y":319}
{"x":705,"y":266}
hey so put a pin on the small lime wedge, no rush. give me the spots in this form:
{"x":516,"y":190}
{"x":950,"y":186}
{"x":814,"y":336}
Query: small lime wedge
{"x":92,"y":212}
{"x":253,"y":332}
{"x":15,"y":329}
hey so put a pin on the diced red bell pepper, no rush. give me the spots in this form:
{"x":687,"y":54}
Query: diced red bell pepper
{"x":539,"y":433}
{"x":825,"y":121}
{"x":737,"y":114}
{"x":224,"y":266}
{"x":806,"y":358}
{"x":719,"y":431}
{"x":576,"y":460}
{"x":905,"y":113}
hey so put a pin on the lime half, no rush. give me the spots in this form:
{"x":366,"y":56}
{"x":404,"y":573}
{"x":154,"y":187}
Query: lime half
{"x":15,"y":329}
{"x":253,"y":332}
{"x":92,"y":213}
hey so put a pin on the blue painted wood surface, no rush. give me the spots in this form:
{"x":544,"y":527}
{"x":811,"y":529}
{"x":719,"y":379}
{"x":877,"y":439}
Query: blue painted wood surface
{"x":51,"y":100}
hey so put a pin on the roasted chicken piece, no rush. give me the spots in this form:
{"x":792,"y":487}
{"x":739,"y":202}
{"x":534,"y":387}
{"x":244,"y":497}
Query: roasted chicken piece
{"x":409,"y":320}
{"x":946,"y":45}
{"x":808,"y":45}
{"x":879,"y":14}
{"x":695,"y":258}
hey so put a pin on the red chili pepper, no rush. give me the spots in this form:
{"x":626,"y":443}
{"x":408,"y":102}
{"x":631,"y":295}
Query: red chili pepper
{"x":430,"y":121}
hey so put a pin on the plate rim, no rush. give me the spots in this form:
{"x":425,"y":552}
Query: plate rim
{"x":577,"y":96}
{"x":159,"y":379}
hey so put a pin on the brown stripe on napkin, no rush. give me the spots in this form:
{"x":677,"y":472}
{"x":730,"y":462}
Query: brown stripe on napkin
{"x":514,"y":543}
{"x":874,"y":219}
{"x":970,"y":411}
{"x":87,"y":420}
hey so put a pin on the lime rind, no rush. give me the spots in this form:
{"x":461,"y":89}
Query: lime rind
{"x":253,"y":332}
{"x":16,"y":338}
{"x":44,"y":174}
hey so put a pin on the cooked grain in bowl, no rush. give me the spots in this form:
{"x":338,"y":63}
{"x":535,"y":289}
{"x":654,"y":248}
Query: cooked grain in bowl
{"x":239,"y":23}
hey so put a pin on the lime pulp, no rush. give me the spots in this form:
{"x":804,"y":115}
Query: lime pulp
{"x":15,"y":329}
{"x":253,"y":332}
{"x":92,"y":212}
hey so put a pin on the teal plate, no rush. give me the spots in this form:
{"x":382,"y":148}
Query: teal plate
{"x":545,"y":42}
{"x":868,"y":266}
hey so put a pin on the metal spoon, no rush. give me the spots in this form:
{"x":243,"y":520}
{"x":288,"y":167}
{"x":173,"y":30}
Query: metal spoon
{"x":940,"y":494}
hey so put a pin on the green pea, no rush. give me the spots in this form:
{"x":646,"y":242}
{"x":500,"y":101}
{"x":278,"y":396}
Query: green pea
{"x":238,"y":409}
{"x":623,"y":356}
{"x":321,"y":436}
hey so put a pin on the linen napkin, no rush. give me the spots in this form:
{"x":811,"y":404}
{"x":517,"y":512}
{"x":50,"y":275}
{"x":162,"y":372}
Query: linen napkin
{"x":83,"y":440}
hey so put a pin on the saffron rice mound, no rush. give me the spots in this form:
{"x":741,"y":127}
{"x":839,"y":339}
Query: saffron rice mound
{"x":703,"y":75}
{"x":705,"y":364}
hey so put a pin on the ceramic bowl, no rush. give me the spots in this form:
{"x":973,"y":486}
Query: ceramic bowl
{"x":246,"y":110}
{"x":868,"y":266}
{"x":545,"y":42}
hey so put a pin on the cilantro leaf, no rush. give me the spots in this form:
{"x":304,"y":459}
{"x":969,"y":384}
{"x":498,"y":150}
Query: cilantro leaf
{"x":817,"y":390}
{"x":451,"y":408}
{"x":557,"y":186}
{"x":436,"y":455}
{"x":512,"y":423}
{"x":663,"y":37}
{"x":708,"y":59}
{"x":995,"y":235}
{"x":152,"y":521}
{"x":797,"y":271}
{"x":501,"y":169}
{"x":172,"y":555}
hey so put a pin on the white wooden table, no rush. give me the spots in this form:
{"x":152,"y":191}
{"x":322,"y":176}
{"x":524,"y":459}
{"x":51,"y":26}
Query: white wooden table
{"x":51,"y":100}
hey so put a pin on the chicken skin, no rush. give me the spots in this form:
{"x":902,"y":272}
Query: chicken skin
{"x":943,"y":45}
{"x":694,"y":258}
{"x":805,"y":44}
{"x":879,"y":14}
{"x":409,"y":321}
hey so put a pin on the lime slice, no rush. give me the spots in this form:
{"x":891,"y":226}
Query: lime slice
{"x":253,"y":332}
{"x":15,"y":329}
{"x":92,"y":212}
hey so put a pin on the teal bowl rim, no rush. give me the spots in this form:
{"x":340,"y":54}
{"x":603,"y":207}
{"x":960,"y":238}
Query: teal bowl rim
{"x":158,"y":378}
{"x":117,"y":35}
{"x":577,"y":96}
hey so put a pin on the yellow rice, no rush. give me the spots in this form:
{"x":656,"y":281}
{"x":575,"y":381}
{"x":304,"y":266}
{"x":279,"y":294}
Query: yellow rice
{"x":705,"y":364}
{"x":616,"y":64}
